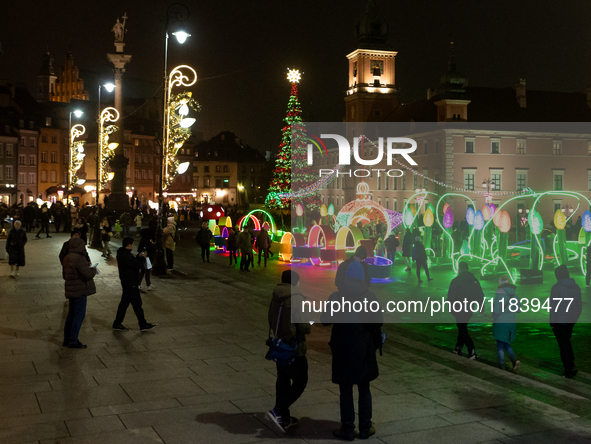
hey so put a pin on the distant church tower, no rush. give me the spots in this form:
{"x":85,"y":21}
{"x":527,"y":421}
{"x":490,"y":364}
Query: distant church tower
{"x":451,"y":100}
{"x":69,"y":85}
{"x":46,"y":79}
{"x":371,"y":94}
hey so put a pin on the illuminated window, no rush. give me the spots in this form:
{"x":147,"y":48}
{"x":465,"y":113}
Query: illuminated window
{"x":557,"y":147}
{"x":495,"y":146}
{"x":53,"y":157}
{"x":521,"y":147}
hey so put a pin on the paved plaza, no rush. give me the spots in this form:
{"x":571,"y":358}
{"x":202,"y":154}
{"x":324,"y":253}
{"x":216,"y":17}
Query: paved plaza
{"x":201,"y":376}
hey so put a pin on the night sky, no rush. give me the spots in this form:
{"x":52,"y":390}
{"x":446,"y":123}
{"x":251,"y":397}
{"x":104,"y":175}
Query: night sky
{"x":241,"y":49}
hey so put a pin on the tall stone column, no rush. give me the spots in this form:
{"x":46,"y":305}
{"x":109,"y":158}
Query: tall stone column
{"x":118,"y":199}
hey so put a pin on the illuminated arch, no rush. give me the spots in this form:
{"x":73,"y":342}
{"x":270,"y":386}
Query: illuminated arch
{"x":285,"y":246}
{"x":267,"y":216}
{"x":225,"y":233}
{"x":343,"y":234}
{"x":243,"y":222}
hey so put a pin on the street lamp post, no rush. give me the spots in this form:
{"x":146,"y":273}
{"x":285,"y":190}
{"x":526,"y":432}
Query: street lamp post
{"x":72,"y":134}
{"x":176,"y":12}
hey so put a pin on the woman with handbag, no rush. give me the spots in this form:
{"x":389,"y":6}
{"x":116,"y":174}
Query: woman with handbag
{"x":106,"y":234}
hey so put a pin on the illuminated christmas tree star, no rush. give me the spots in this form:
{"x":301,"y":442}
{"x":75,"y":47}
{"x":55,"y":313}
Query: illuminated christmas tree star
{"x":293,"y":75}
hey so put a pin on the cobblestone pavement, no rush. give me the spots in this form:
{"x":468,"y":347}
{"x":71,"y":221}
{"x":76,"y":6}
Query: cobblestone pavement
{"x":201,"y":376}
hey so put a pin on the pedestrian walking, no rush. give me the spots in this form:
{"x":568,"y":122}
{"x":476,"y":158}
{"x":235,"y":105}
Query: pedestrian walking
{"x":138,"y":223}
{"x":15,"y":247}
{"x":244,"y":243}
{"x":262,"y":244}
{"x":565,"y":308}
{"x":169,"y":234}
{"x":58,"y":215}
{"x":292,"y":378}
{"x":505,"y":321}
{"x":407,"y":249}
{"x":203,"y":239}
{"x":359,"y":256}
{"x":232,"y":244}
{"x":29,"y":217}
{"x":392,"y":244}
{"x":354,"y":352}
{"x":79,"y":284}
{"x":464,"y":287}
{"x":106,"y":235}
{"x":146,"y":245}
{"x":420,"y":257}
{"x":44,"y":219}
{"x":129,"y":270}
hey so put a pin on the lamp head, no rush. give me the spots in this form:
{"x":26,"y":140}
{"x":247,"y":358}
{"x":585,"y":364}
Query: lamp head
{"x":78,"y":113}
{"x":187,"y":122}
{"x":109,"y":87}
{"x":181,"y":36}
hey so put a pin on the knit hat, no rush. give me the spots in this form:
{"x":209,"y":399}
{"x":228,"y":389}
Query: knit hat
{"x":361,"y":252}
{"x":355,"y":271}
{"x":561,"y":272}
{"x":504,"y":279}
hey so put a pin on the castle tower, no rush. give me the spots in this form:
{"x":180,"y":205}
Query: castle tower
{"x":46,"y":79}
{"x":452,"y":100}
{"x":371,"y":94}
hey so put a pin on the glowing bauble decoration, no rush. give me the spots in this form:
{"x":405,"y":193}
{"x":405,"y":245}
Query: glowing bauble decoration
{"x":535,"y":222}
{"x":479,"y":220}
{"x":448,"y":218}
{"x":586,"y":221}
{"x":486,"y":212}
{"x":408,"y":216}
{"x":470,"y":216}
{"x":559,"y":220}
{"x":497,"y":218}
{"x":445,"y":207}
{"x":428,"y":218}
{"x":323,"y":211}
{"x":504,"y":221}
{"x":293,"y":75}
{"x":299,"y":210}
{"x":331,"y":210}
{"x":493,"y":209}
{"x":362,"y":188}
{"x":413,"y":209}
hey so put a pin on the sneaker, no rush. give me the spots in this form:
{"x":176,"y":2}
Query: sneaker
{"x":346,"y":436}
{"x":77,"y":345}
{"x":141,"y":287}
{"x":458,"y":351}
{"x":365,"y":434}
{"x":120,"y":327}
{"x":516,"y":366}
{"x":430,"y":279}
{"x":151,"y":288}
{"x":473,"y":355}
{"x":292,"y":422}
{"x":570,"y":374}
{"x":276,"y":418}
{"x":420,"y":281}
{"x":148,"y":326}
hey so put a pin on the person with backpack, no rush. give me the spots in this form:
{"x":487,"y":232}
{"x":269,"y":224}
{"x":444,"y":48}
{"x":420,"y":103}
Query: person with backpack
{"x":505,"y":322}
{"x":203,"y":239}
{"x":169,"y":236}
{"x":464,"y":287}
{"x":353,"y":347}
{"x":359,"y":256}
{"x":292,"y":378}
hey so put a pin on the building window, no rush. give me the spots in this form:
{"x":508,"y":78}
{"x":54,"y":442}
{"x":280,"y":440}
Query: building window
{"x":137,"y":158}
{"x":44,"y":138}
{"x":558,"y":181}
{"x":589,"y":148}
{"x":436,"y":146}
{"x":252,"y":169}
{"x":22,"y":160}
{"x":521,"y":181}
{"x":8,"y":174}
{"x":206,"y":182}
{"x":495,"y":147}
{"x":226,"y":168}
{"x":23,"y":142}
{"x":379,"y":182}
{"x":33,"y":142}
{"x":589,"y":180}
{"x":22,"y":178}
{"x":149,"y":174}
{"x":9,"y":150}
{"x":195,"y":168}
{"x":136,"y":142}
{"x":53,"y":157}
{"x":469,"y":181}
{"x":136,"y":174}
{"x":521,"y":147}
{"x":195,"y":182}
{"x":415,"y":181}
{"x":469,"y":146}
{"x":206,"y":169}
{"x":65,"y":159}
{"x":425,"y":148}
{"x":557,"y":147}
{"x":387,"y":203}
{"x":143,"y":172}
{"x":65,"y":177}
{"x":32,"y":160}
{"x":386,"y":179}
{"x":43,"y":176}
{"x":394,"y":183}
{"x":218,"y":169}
{"x":404,"y":181}
{"x":496,"y":179}
{"x":43,"y":156}
{"x":53,"y":139}
{"x":53,"y":176}
{"x":32,"y":178}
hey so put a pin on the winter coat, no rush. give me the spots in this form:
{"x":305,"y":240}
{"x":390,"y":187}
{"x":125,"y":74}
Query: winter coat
{"x":420,"y":255}
{"x":66,"y":249}
{"x":505,"y":320}
{"x":353,"y":351}
{"x":146,"y":244}
{"x":125,"y":219}
{"x":565,"y":288}
{"x":232,"y":241}
{"x":203,"y":237}
{"x":464,"y":286}
{"x":105,"y":230}
{"x":263,"y":240}
{"x":407,"y":245}
{"x":77,"y":271}
{"x":129,"y":267}
{"x":138,"y":221}
{"x":244,"y":242}
{"x":339,"y":279}
{"x":287,"y":331}
{"x":15,"y":247}
{"x":392,"y":244}
{"x":168,"y":235}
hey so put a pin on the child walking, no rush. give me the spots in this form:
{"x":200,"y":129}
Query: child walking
{"x":505,"y":322}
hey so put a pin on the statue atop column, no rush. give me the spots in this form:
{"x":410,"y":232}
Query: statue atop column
{"x":119,"y":29}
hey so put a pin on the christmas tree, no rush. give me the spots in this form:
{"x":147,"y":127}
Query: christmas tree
{"x":292,"y":172}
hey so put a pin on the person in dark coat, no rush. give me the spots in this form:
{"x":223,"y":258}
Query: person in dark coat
{"x":359,"y":256}
{"x":29,"y":217}
{"x":58,"y":215}
{"x":203,"y":239}
{"x":79,"y":284}
{"x":505,"y":321}
{"x":146,"y":245}
{"x":392,"y":244}
{"x":66,"y":246}
{"x":232,"y":245}
{"x":420,"y":257}
{"x":563,"y":316}
{"x":263,"y":243}
{"x":354,"y":352}
{"x":15,"y":247}
{"x":407,"y":249}
{"x":129,"y":272}
{"x":44,"y":218}
{"x":464,"y":287}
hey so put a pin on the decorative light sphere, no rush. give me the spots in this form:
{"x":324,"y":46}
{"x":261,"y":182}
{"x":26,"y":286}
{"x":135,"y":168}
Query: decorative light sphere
{"x":486,"y":212}
{"x":470,"y":216}
{"x":331,"y":210}
{"x":110,"y":176}
{"x":323,"y":211}
{"x":559,"y":220}
{"x":448,"y":218}
{"x":183,"y":167}
{"x":504,"y":222}
{"x":187,"y":122}
{"x":293,"y":75}
{"x":209,"y":209}
{"x":299,"y":210}
{"x":428,"y":218}
{"x":586,"y":221}
{"x":408,"y":216}
{"x":535,"y":221}
{"x":478,"y":221}
{"x":218,"y":214}
{"x":445,"y":207}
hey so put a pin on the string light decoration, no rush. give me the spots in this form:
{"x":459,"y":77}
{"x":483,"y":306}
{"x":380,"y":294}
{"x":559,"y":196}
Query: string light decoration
{"x":76,"y":153}
{"x":106,"y":150}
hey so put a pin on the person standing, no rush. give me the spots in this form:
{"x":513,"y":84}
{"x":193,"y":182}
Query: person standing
{"x":106,"y":234}
{"x":129,"y":269}
{"x":244,"y":243}
{"x":29,"y":217}
{"x":169,"y":234}
{"x":359,"y":256}
{"x":354,"y":353}
{"x":291,"y":378}
{"x":66,"y":247}
{"x":79,"y":284}
{"x":146,"y":245}
{"x":203,"y":239}
{"x":58,"y":215}
{"x":263,"y":243}
{"x":505,"y":322}
{"x":15,"y":247}
{"x":232,"y":245}
{"x":420,"y":256}
{"x":564,"y":314}
{"x":44,"y":218}
{"x":138,"y":223}
{"x":125,"y":220}
{"x":82,"y":227}
{"x":464,"y":287}
{"x":392,"y":244}
{"x":407,"y":249}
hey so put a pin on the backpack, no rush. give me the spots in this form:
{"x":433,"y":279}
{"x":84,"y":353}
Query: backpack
{"x":378,"y":336}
